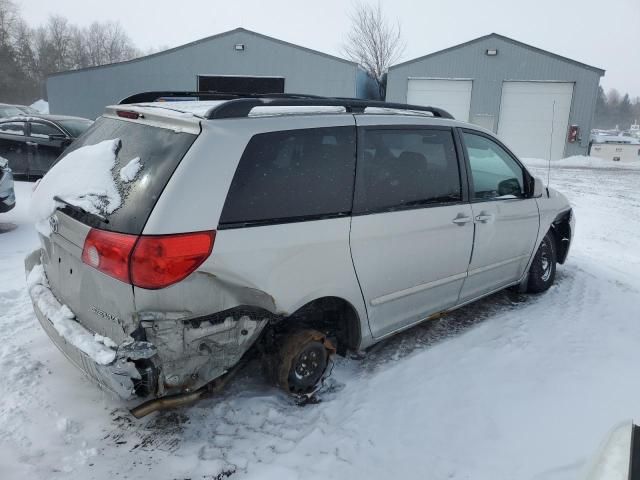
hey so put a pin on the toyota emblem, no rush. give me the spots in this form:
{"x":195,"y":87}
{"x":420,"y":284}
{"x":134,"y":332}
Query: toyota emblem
{"x":53,"y":223}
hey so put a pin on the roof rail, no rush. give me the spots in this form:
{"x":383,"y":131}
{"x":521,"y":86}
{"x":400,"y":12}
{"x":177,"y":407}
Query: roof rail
{"x":241,"y":107}
{"x":240,"y":104}
{"x":144,"y":97}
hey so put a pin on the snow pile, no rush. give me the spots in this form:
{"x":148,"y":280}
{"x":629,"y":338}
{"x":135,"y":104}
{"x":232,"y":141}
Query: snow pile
{"x":82,"y":178}
{"x":130,"y":170}
{"x":578,"y":161}
{"x":41,"y":105}
{"x":64,"y":322}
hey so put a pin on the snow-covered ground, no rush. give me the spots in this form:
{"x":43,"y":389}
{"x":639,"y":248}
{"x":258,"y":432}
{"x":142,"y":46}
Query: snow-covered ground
{"x":513,"y":387}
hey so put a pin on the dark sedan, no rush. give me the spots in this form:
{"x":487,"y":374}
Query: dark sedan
{"x":32,"y":144}
{"x":7,"y":110}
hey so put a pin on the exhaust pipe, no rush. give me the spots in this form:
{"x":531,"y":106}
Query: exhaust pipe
{"x":170,"y":401}
{"x":173,"y":401}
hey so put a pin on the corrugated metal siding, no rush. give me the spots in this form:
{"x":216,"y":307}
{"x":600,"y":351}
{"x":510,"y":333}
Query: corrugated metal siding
{"x":86,"y":92}
{"x":513,"y":62}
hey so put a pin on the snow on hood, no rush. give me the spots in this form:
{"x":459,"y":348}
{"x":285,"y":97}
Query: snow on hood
{"x":83,"y":178}
{"x":578,"y":161}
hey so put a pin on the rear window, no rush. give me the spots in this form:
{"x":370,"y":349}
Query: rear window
{"x":160,"y":151}
{"x":293,"y":175}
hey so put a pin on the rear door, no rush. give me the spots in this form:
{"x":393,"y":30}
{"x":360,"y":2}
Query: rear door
{"x":13,"y":146}
{"x":412,"y":229}
{"x":506,"y":218}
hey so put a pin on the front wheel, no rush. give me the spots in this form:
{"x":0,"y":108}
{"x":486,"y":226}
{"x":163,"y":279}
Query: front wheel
{"x":543,"y":268}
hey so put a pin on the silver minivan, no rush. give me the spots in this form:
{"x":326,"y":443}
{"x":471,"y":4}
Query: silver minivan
{"x":288,"y":227}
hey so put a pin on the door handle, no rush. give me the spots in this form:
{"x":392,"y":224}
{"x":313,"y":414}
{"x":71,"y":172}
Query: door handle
{"x":484,"y":217}
{"x":461,"y":220}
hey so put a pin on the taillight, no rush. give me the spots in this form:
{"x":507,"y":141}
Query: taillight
{"x":109,"y":252}
{"x":162,"y":260}
{"x":129,"y":114}
{"x":147,"y":261}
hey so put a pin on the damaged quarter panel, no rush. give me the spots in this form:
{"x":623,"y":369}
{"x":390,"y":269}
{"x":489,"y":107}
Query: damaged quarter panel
{"x":205,"y":323}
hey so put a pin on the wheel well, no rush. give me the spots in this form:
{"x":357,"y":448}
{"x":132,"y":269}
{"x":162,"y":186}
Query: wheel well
{"x":332,"y":315}
{"x":561,"y":233}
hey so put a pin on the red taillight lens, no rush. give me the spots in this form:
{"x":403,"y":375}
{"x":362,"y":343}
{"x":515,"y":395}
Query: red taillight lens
{"x":109,"y":252}
{"x":129,"y":114}
{"x":153,"y":261}
{"x":162,"y":260}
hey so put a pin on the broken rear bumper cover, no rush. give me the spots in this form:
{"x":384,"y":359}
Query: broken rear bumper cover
{"x":111,"y":366}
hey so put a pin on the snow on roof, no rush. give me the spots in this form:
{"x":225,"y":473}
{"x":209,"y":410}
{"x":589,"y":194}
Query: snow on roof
{"x":41,"y":105}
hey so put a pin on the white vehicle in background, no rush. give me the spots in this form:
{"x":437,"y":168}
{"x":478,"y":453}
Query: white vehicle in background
{"x":612,"y":136}
{"x":615,"y":145}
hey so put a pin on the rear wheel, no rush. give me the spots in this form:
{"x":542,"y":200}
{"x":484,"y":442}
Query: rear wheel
{"x":303,"y":357}
{"x":543,"y":268}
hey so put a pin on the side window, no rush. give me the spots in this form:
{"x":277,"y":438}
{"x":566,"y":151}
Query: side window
{"x":293,"y":174}
{"x":43,"y":130}
{"x":406,"y":168}
{"x":12,"y":128}
{"x":495,"y":173}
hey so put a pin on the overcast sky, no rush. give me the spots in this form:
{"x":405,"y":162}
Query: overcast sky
{"x":602,"y":33}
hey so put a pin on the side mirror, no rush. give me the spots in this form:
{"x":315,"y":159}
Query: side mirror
{"x":510,"y":186}
{"x":538,"y":188}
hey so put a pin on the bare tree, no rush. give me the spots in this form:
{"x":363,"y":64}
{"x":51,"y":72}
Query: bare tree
{"x":9,"y":18}
{"x":373,"y":42}
{"x":108,"y":43}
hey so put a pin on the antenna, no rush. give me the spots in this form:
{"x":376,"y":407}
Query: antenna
{"x":553,"y":120}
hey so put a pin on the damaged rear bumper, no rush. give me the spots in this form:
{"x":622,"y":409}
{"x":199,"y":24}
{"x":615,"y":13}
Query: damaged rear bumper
{"x":111,"y":367}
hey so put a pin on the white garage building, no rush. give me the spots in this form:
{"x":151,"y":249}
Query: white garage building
{"x":533,"y":99}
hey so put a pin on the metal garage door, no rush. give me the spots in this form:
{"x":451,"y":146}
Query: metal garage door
{"x":534,"y":118}
{"x":452,"y":95}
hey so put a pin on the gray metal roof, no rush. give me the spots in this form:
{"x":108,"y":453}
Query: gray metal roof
{"x":507,"y":39}
{"x":206,"y":39}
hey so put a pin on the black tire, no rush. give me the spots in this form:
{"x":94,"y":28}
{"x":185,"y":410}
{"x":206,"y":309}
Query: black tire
{"x":543,"y":268}
{"x":302,"y":360}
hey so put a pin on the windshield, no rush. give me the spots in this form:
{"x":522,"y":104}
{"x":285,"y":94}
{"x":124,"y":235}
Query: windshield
{"x":10,"y":111}
{"x":76,"y":127}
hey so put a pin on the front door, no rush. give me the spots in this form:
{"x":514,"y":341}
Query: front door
{"x":412,"y":229}
{"x":506,"y":219}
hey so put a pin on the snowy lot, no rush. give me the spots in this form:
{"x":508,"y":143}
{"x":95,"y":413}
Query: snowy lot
{"x":513,"y":387}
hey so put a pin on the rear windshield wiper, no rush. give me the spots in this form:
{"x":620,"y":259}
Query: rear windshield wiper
{"x":81,"y":210}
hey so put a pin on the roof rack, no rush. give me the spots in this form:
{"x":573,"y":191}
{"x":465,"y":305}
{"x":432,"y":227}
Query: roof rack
{"x":144,"y":97}
{"x":239,"y":105}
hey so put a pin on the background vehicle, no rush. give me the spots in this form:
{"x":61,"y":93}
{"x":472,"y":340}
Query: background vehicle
{"x":7,"y":195}
{"x":329,"y":225}
{"x":32,"y":143}
{"x":27,"y":110}
{"x":7,"y":110}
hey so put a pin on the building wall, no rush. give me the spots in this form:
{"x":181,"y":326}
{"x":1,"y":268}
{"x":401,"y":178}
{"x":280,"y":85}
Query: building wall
{"x":86,"y":92}
{"x":513,"y":62}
